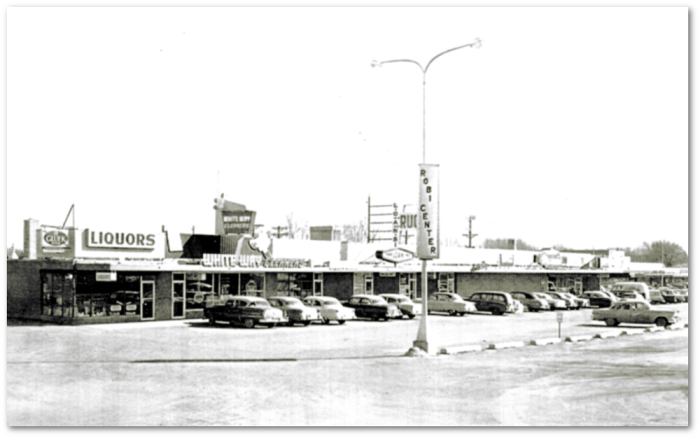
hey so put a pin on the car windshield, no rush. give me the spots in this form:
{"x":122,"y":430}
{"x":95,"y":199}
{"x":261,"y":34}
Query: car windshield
{"x":328,"y":300}
{"x":377,"y":300}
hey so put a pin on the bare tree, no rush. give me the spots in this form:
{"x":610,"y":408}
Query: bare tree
{"x":355,"y":232}
{"x":293,"y":227}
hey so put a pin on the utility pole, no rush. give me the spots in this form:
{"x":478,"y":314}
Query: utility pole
{"x":279,"y":232}
{"x":470,"y":235}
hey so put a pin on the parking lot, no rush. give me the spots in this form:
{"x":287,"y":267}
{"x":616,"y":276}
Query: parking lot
{"x":190,"y":373}
{"x":198,"y":340}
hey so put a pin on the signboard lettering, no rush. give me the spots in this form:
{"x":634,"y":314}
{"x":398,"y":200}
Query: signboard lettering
{"x":394,"y":255}
{"x":56,"y":238}
{"x":113,"y":239}
{"x":238,"y":222}
{"x":428,"y":213}
{"x":252,"y":261}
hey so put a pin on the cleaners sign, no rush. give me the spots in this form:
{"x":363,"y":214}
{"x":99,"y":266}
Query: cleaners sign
{"x":428,"y":213}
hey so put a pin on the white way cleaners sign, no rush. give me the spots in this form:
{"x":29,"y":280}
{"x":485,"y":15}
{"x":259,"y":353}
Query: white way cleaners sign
{"x":120,"y":239}
{"x":428,"y":213}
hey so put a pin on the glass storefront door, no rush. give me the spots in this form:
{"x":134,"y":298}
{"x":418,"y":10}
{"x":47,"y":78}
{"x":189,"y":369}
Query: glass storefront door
{"x":147,"y":300}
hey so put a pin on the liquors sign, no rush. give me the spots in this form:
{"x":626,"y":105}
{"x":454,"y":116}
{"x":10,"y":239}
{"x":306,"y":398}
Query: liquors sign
{"x":120,"y":239}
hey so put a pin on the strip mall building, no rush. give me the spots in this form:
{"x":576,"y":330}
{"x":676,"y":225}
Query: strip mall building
{"x":80,"y":276}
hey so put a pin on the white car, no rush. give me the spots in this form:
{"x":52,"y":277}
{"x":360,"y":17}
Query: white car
{"x":450,"y":303}
{"x":407,"y":306}
{"x":330,"y":309}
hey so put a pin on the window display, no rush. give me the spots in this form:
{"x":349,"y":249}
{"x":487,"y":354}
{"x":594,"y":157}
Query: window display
{"x":107,"y":298}
{"x":253,"y":284}
{"x":198,"y":286}
{"x":295,"y":284}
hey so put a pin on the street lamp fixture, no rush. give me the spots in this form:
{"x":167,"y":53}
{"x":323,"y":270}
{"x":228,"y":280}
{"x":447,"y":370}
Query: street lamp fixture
{"x":422,"y":338}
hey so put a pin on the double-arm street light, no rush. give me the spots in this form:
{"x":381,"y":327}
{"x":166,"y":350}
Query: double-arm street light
{"x":422,"y":338}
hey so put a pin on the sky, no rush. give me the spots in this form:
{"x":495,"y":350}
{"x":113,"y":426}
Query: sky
{"x":568,"y":126}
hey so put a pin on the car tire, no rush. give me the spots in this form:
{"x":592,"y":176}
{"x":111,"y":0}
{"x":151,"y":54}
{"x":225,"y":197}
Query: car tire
{"x":341,"y":321}
{"x":249,"y":323}
{"x":462,"y":313}
{"x":497,"y":312}
{"x":661,"y":322}
{"x":270,"y":325}
{"x":307,"y":323}
{"x":610,"y":322}
{"x":212,"y":320}
{"x":411,"y":315}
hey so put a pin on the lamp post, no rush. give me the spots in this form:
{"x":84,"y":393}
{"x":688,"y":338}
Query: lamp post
{"x":422,"y":338}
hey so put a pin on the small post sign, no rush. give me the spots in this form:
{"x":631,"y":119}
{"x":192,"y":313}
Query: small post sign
{"x":560,"y":318}
{"x":428,"y":213}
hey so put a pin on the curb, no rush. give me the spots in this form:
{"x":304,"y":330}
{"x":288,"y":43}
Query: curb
{"x":545,"y":341}
{"x":502,"y":345}
{"x":632,"y":332}
{"x":550,"y":341}
{"x":461,"y":349}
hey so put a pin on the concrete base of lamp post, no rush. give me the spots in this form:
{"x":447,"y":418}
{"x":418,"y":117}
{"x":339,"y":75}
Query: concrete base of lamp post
{"x":423,"y":345}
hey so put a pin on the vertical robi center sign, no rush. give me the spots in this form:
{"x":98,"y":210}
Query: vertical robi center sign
{"x":428,"y":212}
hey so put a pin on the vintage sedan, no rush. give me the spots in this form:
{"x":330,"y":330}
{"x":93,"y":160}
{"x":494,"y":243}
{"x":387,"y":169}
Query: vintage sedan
{"x":495,"y":302}
{"x":570,"y":301}
{"x":670,"y":295}
{"x":529,"y":299}
{"x":630,"y":295}
{"x":580,"y":302}
{"x":406,"y":305}
{"x":449,"y":302}
{"x":330,"y":309}
{"x":247,"y":311}
{"x":554,"y":303}
{"x":373,"y":307}
{"x":656,"y":297}
{"x":636,"y":312}
{"x":294,"y":310}
{"x":597,"y":298}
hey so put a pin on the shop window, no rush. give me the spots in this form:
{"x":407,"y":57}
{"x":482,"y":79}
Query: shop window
{"x":57,"y":293}
{"x":198,"y":286}
{"x":229,"y":284}
{"x":107,"y":298}
{"x":294,"y":285}
{"x":252,"y":284}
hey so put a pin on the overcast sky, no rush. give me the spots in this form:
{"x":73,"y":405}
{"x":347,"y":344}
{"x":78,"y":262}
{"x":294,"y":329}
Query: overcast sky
{"x":568,"y":126}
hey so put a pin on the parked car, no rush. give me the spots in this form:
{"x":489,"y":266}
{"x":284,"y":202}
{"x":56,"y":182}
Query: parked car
{"x":569,"y":302}
{"x":496,"y":302}
{"x":406,"y":305}
{"x":330,"y":309}
{"x":683,"y":294}
{"x":580,"y":302}
{"x":248,"y":311}
{"x":294,"y":310}
{"x":554,"y":303}
{"x":630,"y":295}
{"x":634,"y":286}
{"x":656,"y":297}
{"x":533,"y":303}
{"x":373,"y":307}
{"x":610,"y":295}
{"x":449,"y":302}
{"x":636,"y":312}
{"x":670,"y":295}
{"x":598,"y":298}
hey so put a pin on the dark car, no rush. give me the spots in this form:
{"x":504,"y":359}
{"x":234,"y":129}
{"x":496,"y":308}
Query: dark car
{"x":248,"y":311}
{"x":597,"y":299}
{"x":373,"y":307}
{"x":496,"y":302}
